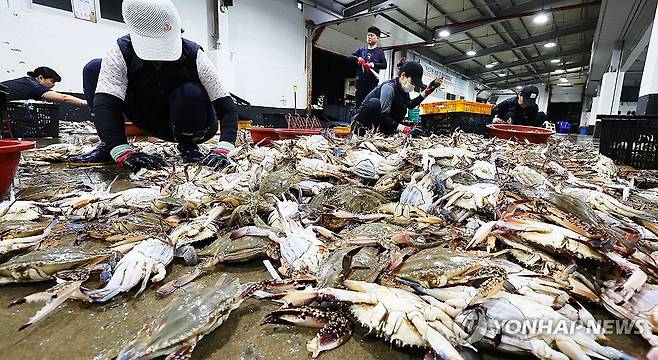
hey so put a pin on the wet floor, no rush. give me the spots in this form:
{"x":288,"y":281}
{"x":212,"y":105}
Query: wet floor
{"x":82,"y":331}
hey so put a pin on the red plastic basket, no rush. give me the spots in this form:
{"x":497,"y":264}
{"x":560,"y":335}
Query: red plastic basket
{"x":264,"y":136}
{"x":10,"y":155}
{"x":520,"y":133}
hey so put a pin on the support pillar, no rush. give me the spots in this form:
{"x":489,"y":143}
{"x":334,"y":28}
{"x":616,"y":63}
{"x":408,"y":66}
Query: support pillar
{"x":611,"y":85}
{"x":647,"y":104}
{"x":593,"y":113}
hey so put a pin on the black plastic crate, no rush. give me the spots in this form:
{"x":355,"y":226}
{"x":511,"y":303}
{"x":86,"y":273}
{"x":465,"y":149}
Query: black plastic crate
{"x":630,"y":140}
{"x":445,"y":124}
{"x":31,"y":120}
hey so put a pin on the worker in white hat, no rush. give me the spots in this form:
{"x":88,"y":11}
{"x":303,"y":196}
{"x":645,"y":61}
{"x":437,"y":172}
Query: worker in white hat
{"x":164,"y":84}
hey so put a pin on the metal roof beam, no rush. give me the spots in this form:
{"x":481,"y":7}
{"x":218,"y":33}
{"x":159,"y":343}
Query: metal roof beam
{"x":575,"y":29}
{"x":495,"y":10}
{"x":529,"y":61}
{"x":575,"y":67}
{"x":360,"y":6}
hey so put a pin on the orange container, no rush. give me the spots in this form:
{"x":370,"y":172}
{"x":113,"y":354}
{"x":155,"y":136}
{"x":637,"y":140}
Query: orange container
{"x":451,"y":106}
{"x":133,"y":130}
{"x":266,"y":135}
{"x":10,"y":155}
{"x":520,"y":133}
{"x":263,"y":136}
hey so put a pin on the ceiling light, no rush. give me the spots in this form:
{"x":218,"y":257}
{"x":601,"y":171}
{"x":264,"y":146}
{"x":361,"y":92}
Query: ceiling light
{"x":519,"y":87}
{"x":502,"y":75}
{"x":444,"y":33}
{"x":555,"y":61}
{"x":549,"y":45}
{"x":564,"y":80}
{"x":471,"y":53}
{"x":541,"y":19}
{"x":489,"y":66}
{"x":559,"y":71}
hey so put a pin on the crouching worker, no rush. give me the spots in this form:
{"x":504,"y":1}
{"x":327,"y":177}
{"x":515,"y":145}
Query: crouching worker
{"x":164,"y":84}
{"x":386,"y":106}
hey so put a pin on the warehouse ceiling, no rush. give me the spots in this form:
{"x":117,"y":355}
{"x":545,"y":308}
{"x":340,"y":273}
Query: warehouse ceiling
{"x":509,"y":44}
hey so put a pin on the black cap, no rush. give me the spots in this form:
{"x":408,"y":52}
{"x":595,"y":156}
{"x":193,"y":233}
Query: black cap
{"x":375,"y":30}
{"x":415,"y":71}
{"x":530,"y":94}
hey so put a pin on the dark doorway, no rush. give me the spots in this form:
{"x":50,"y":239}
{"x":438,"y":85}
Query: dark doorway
{"x":568,"y":111}
{"x":329,"y":74}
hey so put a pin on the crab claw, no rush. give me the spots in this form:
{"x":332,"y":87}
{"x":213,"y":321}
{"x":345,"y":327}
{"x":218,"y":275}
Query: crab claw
{"x":295,"y":298}
{"x":335,"y":328}
{"x":481,"y":234}
{"x":302,"y":316}
{"x":53,"y":297}
{"x":170,"y":287}
{"x":253,"y":231}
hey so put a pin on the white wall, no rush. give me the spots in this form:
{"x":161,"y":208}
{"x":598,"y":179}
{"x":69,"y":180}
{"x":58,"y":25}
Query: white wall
{"x":263,"y":51}
{"x":35,"y":35}
{"x":567,"y":94}
{"x":458,"y":85}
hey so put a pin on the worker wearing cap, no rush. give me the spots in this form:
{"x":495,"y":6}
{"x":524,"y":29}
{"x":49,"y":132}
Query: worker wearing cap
{"x":370,"y":59}
{"x":519,"y":110}
{"x":386,"y":106}
{"x":164,"y":84}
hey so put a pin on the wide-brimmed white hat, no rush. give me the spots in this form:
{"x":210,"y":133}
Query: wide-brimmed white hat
{"x":155,"y":29}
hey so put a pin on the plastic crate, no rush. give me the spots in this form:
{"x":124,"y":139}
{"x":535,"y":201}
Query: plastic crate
{"x":414,"y":115}
{"x":446,"y":124}
{"x":630,"y":140}
{"x":456,"y":106}
{"x":33,"y":119}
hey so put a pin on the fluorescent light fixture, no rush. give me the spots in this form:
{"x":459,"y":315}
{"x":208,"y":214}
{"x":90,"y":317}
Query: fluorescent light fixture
{"x":555,"y":61}
{"x":559,"y":71}
{"x":471,"y":53}
{"x":489,"y":66}
{"x":300,"y":5}
{"x":541,"y":19}
{"x":502,"y":75}
{"x":444,"y":33}
{"x":564,"y":80}
{"x":549,"y":45}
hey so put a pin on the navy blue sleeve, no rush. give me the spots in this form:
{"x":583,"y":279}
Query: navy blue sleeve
{"x":502,"y":109}
{"x":108,"y":110}
{"x":532,"y":115}
{"x":380,"y":60}
{"x":38,"y":91}
{"x":356,"y":55}
{"x":228,"y":118}
{"x":415,"y":102}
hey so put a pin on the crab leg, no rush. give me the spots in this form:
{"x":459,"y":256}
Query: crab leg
{"x":634,"y":282}
{"x":438,"y":343}
{"x":335,"y":329}
{"x":53,"y":297}
{"x":22,"y":243}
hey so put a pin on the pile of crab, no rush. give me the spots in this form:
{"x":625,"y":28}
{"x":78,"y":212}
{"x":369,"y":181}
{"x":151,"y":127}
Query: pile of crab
{"x":435,"y":243}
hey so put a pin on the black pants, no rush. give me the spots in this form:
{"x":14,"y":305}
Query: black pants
{"x":363,"y":88}
{"x":370,"y":116}
{"x":188,"y":113}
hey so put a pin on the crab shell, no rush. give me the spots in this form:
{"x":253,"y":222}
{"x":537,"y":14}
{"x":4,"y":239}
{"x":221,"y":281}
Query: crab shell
{"x":185,"y":320}
{"x":41,"y":265}
{"x":19,"y":211}
{"x":435,"y":267}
